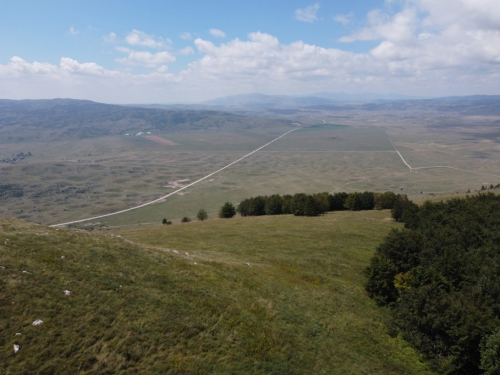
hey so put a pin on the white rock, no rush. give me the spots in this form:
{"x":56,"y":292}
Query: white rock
{"x":37,"y":322}
{"x":67,"y":292}
{"x":249,"y":265}
{"x":18,"y":334}
{"x":16,"y":348}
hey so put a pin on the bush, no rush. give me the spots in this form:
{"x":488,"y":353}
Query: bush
{"x":202,"y":215}
{"x":227,"y":211}
{"x":185,"y":219}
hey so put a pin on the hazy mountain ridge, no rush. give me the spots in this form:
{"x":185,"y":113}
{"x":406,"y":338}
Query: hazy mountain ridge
{"x":487,"y":105}
{"x":24,"y":120}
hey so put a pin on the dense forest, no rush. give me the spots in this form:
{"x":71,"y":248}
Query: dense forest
{"x":440,"y":276}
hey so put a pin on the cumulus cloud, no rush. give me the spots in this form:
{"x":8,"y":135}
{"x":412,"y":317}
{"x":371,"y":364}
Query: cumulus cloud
{"x":186,"y":36}
{"x":145,"y":58}
{"x":307,"y":14}
{"x":217,"y":33}
{"x":140,"y":38}
{"x":71,"y":79}
{"x":425,"y":35}
{"x":420,"y":49}
{"x":186,"y":51}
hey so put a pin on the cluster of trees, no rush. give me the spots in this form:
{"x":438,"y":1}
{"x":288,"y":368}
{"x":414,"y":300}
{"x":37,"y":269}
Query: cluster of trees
{"x":440,"y":275}
{"x":302,"y":204}
{"x":491,"y":187}
{"x":19,"y":156}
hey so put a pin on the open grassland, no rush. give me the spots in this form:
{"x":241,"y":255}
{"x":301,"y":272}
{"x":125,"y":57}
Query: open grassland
{"x":267,"y":295}
{"x":70,"y":180}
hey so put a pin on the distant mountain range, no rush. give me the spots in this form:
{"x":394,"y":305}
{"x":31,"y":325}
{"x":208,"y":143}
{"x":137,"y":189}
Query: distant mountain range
{"x":322,"y":98}
{"x":465,"y":105}
{"x":55,"y":119}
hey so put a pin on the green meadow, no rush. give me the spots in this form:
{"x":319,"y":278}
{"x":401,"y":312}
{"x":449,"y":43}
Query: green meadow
{"x":262,"y":295}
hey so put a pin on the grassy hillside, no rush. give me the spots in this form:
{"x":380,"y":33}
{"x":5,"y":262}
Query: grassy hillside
{"x":63,"y":119}
{"x":260,"y":295}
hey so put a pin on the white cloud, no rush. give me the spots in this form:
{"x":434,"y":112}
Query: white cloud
{"x":144,"y":58}
{"x":420,"y":50}
{"x":344,"y":19}
{"x":308,"y":14}
{"x":186,"y":36}
{"x":140,"y":38}
{"x":109,"y":38}
{"x":186,"y":51}
{"x":71,"y":79}
{"x":217,"y":33}
{"x":426,"y":35}
{"x":73,"y":31}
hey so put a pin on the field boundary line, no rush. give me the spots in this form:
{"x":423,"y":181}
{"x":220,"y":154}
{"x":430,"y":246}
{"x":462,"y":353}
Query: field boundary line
{"x":438,"y":166}
{"x":401,"y":156}
{"x":176,"y":191}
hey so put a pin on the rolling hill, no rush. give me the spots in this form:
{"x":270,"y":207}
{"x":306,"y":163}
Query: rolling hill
{"x":62,"y":119}
{"x":245,"y":295}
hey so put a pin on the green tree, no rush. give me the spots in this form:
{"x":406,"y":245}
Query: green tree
{"x":185,"y":219}
{"x":227,"y":211}
{"x":322,"y":202}
{"x":304,"y":205}
{"x":385,"y":201}
{"x":274,"y":205}
{"x":354,"y":202}
{"x":490,"y":354}
{"x":164,"y":221}
{"x":202,"y":214}
{"x":337,"y":201}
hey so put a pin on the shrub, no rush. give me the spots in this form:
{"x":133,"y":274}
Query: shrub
{"x":227,"y":211}
{"x":202,"y":214}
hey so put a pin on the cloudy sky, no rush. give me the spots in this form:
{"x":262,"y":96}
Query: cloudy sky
{"x":184,"y":51}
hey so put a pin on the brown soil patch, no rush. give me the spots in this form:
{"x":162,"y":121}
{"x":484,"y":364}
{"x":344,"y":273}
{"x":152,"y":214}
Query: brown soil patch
{"x":160,"y":140}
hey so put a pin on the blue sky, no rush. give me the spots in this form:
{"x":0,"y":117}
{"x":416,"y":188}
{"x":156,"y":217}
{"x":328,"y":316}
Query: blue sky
{"x":188,"y":51}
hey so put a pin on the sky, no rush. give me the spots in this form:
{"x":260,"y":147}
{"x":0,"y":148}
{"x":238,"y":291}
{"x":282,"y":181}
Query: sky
{"x":194,"y":50}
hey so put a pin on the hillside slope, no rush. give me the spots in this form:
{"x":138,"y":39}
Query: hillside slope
{"x":260,"y":295}
{"x":61,"y":119}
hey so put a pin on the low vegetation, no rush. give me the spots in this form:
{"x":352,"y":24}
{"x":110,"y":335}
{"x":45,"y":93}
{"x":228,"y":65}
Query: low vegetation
{"x":257,"y":295}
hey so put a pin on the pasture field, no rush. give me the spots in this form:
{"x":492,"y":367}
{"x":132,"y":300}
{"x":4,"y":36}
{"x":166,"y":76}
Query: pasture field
{"x":71,"y":180}
{"x":243,"y":295}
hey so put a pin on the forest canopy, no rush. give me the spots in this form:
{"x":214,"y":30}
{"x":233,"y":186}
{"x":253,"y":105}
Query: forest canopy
{"x":440,"y":276}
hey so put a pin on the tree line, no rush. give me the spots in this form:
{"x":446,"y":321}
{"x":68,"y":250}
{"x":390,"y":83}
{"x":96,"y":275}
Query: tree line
{"x":302,"y":204}
{"x":440,"y":276}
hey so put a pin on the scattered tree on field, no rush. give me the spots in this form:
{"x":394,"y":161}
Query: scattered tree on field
{"x":185,"y":219}
{"x":227,"y":211}
{"x":164,"y":221}
{"x":202,"y":214}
